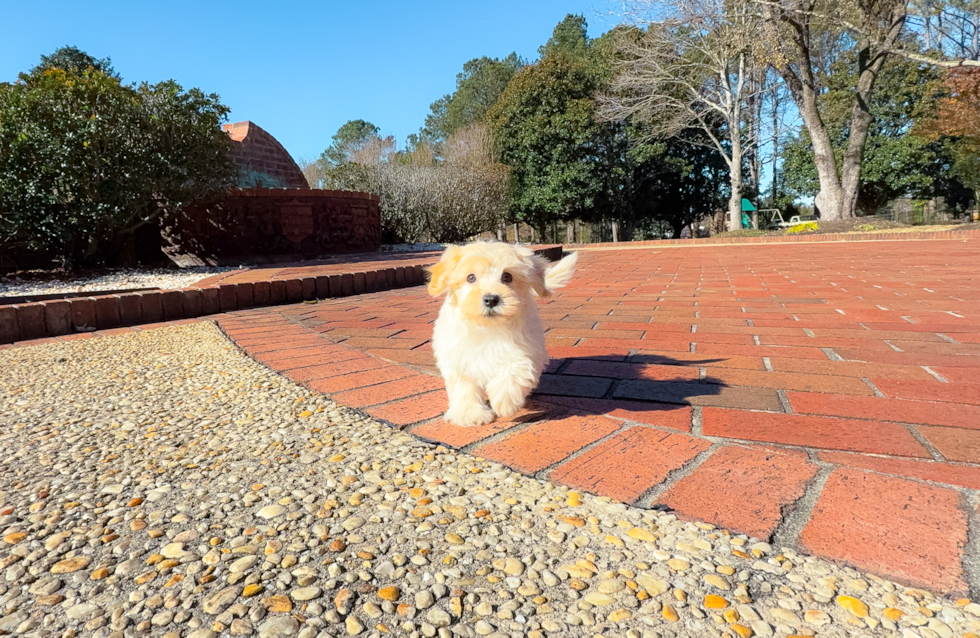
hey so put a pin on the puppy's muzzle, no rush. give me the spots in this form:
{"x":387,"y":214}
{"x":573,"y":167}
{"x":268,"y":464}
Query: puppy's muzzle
{"x":491,"y":301}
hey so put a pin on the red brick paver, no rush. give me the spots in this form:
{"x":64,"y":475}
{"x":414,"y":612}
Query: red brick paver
{"x":743,"y":489}
{"x":907,"y":530}
{"x":544,"y":444}
{"x":716,"y":382}
{"x":631,"y":462}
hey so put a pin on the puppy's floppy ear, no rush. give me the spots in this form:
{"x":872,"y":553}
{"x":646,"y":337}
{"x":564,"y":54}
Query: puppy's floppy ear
{"x":439,"y":273}
{"x":537,"y":268}
{"x":560,"y":273}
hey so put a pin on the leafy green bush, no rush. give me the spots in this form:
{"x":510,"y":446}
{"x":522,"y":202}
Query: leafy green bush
{"x":85,"y":159}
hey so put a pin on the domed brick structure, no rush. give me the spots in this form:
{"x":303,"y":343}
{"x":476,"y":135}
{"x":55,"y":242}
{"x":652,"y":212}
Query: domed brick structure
{"x":263,"y":161}
{"x":273,"y":215}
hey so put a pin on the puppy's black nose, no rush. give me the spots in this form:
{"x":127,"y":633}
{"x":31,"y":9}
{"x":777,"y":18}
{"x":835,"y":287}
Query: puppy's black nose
{"x":491,"y":301}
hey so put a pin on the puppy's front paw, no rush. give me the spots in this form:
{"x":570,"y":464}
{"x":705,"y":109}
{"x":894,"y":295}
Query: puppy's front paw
{"x":507,"y":408}
{"x":469,"y":415}
{"x":507,"y":401}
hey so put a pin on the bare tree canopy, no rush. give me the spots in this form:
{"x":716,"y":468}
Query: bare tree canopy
{"x":427,"y":199}
{"x":950,"y":29}
{"x":688,"y":64}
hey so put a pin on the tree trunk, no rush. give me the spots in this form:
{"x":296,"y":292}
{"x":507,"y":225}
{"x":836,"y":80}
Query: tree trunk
{"x":677,"y":227}
{"x":735,"y":166}
{"x":615,"y":230}
{"x":628,"y":228}
{"x":570,"y":233}
{"x":775,"y":145}
{"x":861,"y":120}
{"x":830,"y":198}
{"x":837,"y":198}
{"x":753,"y":126}
{"x":735,"y":177}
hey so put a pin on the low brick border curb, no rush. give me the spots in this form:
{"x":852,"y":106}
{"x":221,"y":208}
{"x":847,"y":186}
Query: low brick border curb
{"x":22,"y":322}
{"x":784,"y":239}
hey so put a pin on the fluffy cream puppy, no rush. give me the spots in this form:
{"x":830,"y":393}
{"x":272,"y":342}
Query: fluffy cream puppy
{"x":488,"y":340}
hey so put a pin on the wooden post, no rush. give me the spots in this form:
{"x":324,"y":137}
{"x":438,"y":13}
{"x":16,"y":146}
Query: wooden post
{"x":755,"y":219}
{"x":517,"y":234}
{"x":615,"y":230}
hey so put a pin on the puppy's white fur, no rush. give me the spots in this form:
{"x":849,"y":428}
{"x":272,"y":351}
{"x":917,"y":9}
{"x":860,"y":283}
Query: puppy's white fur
{"x":491,"y":354}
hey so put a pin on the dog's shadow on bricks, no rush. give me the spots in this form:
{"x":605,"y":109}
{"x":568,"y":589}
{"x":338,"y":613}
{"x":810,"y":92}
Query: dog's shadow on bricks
{"x":638,"y":383}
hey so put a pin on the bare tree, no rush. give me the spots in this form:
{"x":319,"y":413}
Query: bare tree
{"x":313,"y":171}
{"x":428,"y":199}
{"x":950,"y":30}
{"x":689,"y":65}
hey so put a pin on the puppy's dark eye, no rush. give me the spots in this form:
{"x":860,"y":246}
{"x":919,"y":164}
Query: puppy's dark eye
{"x":506,"y":278}
{"x":471,"y":279}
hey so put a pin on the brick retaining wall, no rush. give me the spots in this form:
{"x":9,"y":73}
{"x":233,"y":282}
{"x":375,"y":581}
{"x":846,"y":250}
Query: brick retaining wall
{"x":269,"y":225}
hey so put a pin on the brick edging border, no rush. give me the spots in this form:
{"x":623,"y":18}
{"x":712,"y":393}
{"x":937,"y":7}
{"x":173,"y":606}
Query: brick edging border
{"x":23,"y":322}
{"x":785,"y":239}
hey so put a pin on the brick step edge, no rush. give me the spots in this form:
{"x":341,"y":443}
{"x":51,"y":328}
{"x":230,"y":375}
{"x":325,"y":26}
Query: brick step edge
{"x":23,"y":322}
{"x":786,"y":239}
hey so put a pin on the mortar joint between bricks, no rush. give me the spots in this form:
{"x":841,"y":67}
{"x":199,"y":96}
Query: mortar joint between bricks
{"x":892,"y":345}
{"x":784,"y":401}
{"x":924,"y":442}
{"x":647,"y":499}
{"x":794,"y":516}
{"x":543,"y":473}
{"x":878,"y":393}
{"x":565,"y":363}
{"x":493,"y":438}
{"x":831,"y":354}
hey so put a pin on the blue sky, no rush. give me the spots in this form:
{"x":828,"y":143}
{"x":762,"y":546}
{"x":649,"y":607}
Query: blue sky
{"x":297,"y":69}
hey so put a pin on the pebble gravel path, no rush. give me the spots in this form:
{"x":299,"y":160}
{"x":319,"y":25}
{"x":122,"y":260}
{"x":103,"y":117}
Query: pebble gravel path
{"x":115,"y":279}
{"x":161,"y":483}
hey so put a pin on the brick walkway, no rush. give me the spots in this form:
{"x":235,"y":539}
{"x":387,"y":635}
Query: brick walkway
{"x":823,"y":396}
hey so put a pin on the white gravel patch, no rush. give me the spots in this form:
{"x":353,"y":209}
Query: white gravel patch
{"x":43,"y":283}
{"x":411,"y":248}
{"x":423,"y":247}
